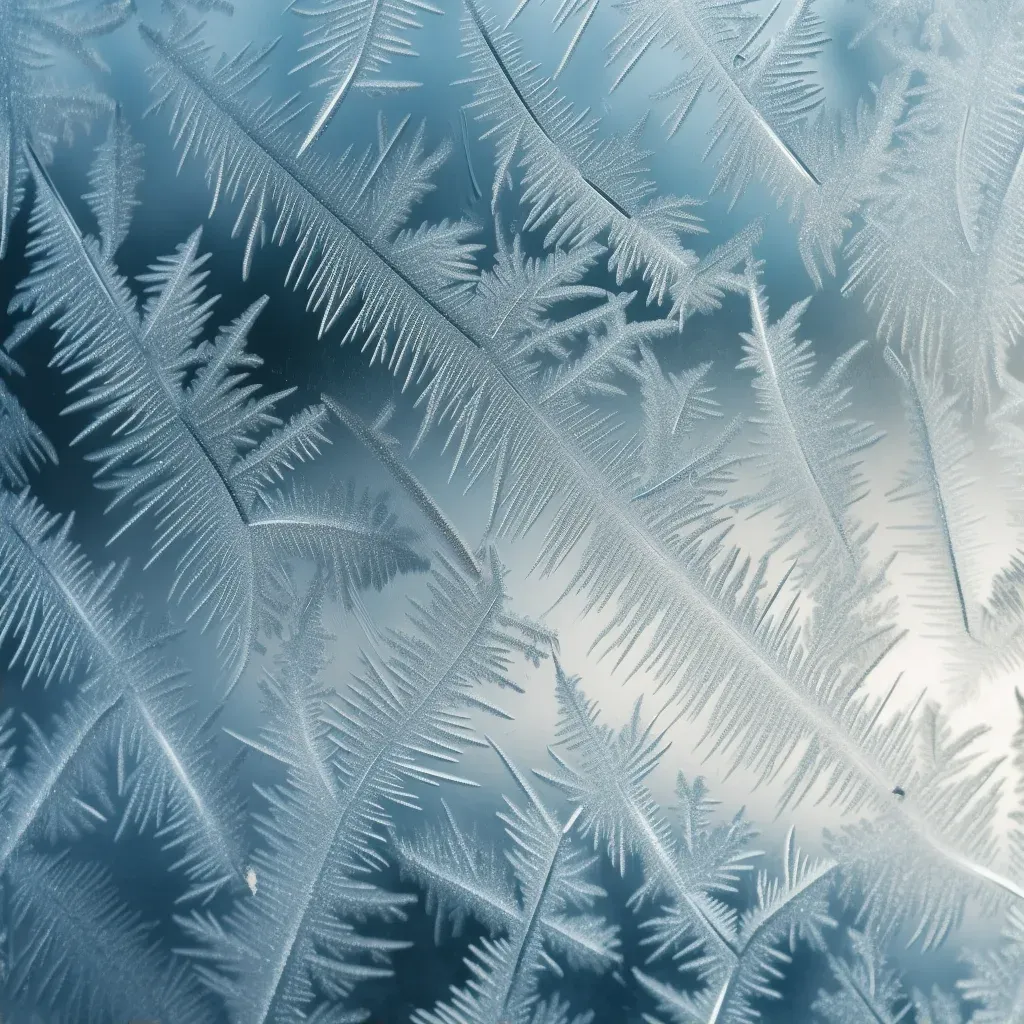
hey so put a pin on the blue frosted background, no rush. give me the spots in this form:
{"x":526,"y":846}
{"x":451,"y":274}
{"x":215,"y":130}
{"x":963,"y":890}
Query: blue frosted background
{"x":174,"y":202}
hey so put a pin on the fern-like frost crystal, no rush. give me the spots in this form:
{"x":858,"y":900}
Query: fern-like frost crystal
{"x":193,"y":449}
{"x":34,"y":34}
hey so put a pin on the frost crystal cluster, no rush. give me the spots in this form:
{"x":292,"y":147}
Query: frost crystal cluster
{"x":443,"y":588}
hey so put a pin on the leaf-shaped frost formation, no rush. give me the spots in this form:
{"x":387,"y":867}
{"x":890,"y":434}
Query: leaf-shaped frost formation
{"x":607,"y":780}
{"x":997,"y":977}
{"x":869,"y":989}
{"x":944,"y":234}
{"x":764,"y":88}
{"x":685,"y":869}
{"x":644,"y":562}
{"x":940,"y":483}
{"x":354,"y":43}
{"x":808,"y":450}
{"x":403,"y":722}
{"x":579,"y":183}
{"x":787,"y":909}
{"x":83,"y":954}
{"x":548,"y":914}
{"x":675,"y":407}
{"x":34,"y":34}
{"x":114,"y":178}
{"x":195,"y":447}
{"x":23,"y":446}
{"x":854,"y":153}
{"x":61,"y":618}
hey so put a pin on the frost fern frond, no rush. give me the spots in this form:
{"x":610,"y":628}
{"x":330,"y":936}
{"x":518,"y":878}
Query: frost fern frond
{"x":354,"y":43}
{"x":402,"y":723}
{"x":81,"y":952}
{"x":62,"y":619}
{"x":808,"y":452}
{"x":548,"y":913}
{"x":578,"y":183}
{"x":34,"y":34}
{"x":644,"y":564}
{"x":194,"y":447}
{"x":787,"y":910}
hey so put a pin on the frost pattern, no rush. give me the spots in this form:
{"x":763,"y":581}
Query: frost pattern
{"x":194,"y":449}
{"x":741,"y":554}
